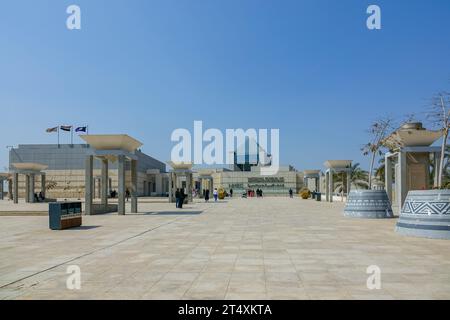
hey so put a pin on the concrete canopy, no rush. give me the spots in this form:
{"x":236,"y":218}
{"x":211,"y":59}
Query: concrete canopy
{"x":5,"y":175}
{"x":111,"y":142}
{"x":333,"y":164}
{"x":311,"y":172}
{"x":29,"y":166}
{"x":180,"y":165}
{"x":111,"y":147}
{"x":414,"y":137}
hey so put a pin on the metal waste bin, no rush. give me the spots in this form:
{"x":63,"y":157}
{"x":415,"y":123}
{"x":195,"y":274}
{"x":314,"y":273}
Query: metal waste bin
{"x":318,"y":196}
{"x":64,"y":215}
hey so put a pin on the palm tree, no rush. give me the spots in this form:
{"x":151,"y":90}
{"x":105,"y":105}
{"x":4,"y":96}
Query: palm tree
{"x":358,"y":178}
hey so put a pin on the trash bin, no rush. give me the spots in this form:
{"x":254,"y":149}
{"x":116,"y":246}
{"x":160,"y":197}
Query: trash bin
{"x":318,"y":196}
{"x":313,"y":195}
{"x":64,"y":215}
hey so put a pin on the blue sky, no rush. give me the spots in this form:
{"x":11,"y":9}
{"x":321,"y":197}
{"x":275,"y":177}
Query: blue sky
{"x":310,"y":68}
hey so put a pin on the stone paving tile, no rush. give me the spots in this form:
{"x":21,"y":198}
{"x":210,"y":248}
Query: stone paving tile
{"x":270,"y":248}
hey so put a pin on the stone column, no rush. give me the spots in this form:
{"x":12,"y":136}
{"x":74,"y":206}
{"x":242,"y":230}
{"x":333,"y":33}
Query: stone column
{"x":402,"y":187}
{"x":31,"y":186}
{"x":388,"y":176}
{"x":2,"y":182}
{"x":121,"y":181}
{"x":104,"y":183}
{"x":134,"y":202}
{"x":318,"y":184}
{"x":189,"y":186}
{"x":436,"y":168}
{"x":349,"y":182}
{"x":327,"y":185}
{"x":43,"y":184}
{"x":331,"y":184}
{"x":88,"y":185}
{"x":10,"y":189}
{"x":170,"y":187}
{"x":16,"y":187}
{"x":158,"y":182}
{"x":27,"y":188}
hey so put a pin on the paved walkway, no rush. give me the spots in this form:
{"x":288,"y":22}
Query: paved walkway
{"x":271,"y":248}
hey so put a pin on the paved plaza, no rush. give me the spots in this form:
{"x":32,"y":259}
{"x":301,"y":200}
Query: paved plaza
{"x":270,"y":248}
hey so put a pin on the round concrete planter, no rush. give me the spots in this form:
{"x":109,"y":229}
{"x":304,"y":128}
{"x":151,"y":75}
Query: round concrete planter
{"x":368,"y":204}
{"x":426,"y":213}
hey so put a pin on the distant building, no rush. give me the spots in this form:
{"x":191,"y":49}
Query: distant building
{"x":65,"y":175}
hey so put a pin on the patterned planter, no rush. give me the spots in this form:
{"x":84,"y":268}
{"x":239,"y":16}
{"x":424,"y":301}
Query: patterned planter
{"x":368,"y":204}
{"x":426,"y":213}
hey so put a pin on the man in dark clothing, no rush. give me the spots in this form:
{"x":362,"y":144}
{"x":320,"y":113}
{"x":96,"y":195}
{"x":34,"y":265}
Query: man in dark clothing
{"x":290,"y":193}
{"x":177,"y":198}
{"x":182,"y":196}
{"x":231,"y":193}
{"x":207,"y":195}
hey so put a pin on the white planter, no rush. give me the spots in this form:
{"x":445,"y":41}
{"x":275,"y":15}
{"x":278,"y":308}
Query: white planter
{"x":426,"y":213}
{"x":368,"y":204}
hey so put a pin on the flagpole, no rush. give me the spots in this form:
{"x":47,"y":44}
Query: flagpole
{"x":71,"y":136}
{"x":58,"y":135}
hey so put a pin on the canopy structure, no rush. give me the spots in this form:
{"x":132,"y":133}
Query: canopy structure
{"x":29,"y":170}
{"x":312,"y":174}
{"x":336,"y":166}
{"x":4,"y":176}
{"x":111,"y":147}
{"x":206,"y":180}
{"x":180,"y":171}
{"x":410,"y":158}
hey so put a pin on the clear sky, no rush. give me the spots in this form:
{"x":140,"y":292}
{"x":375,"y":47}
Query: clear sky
{"x":310,"y":68}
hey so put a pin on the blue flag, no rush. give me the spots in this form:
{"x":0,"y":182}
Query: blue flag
{"x":81,"y":129}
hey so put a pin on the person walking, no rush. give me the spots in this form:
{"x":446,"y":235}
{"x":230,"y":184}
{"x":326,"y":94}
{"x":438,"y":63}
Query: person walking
{"x":177,"y":198}
{"x":127,"y":194}
{"x":231,"y":193}
{"x":291,"y":193}
{"x":206,"y":195}
{"x":182,"y":196}
{"x":215,"y":194}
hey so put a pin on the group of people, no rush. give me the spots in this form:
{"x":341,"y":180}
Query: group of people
{"x":113,"y":194}
{"x":39,"y":198}
{"x":252,"y":193}
{"x":179,"y":198}
{"x":215,"y":194}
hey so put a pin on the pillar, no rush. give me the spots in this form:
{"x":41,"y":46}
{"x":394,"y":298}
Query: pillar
{"x":88,"y":185}
{"x":318,"y":184}
{"x":27,"y":188}
{"x":31,"y":190}
{"x":349,"y":182}
{"x":2,"y":182}
{"x":134,"y":186}
{"x":401,"y":185}
{"x":159,"y":184}
{"x":121,"y":178}
{"x":436,"y":168}
{"x":43,"y":182}
{"x":330,"y":178}
{"x":10,"y":189}
{"x":16,"y":187}
{"x":170,"y":187}
{"x":388,"y":176}
{"x":327,"y":185}
{"x":189,"y":186}
{"x":104,"y":184}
